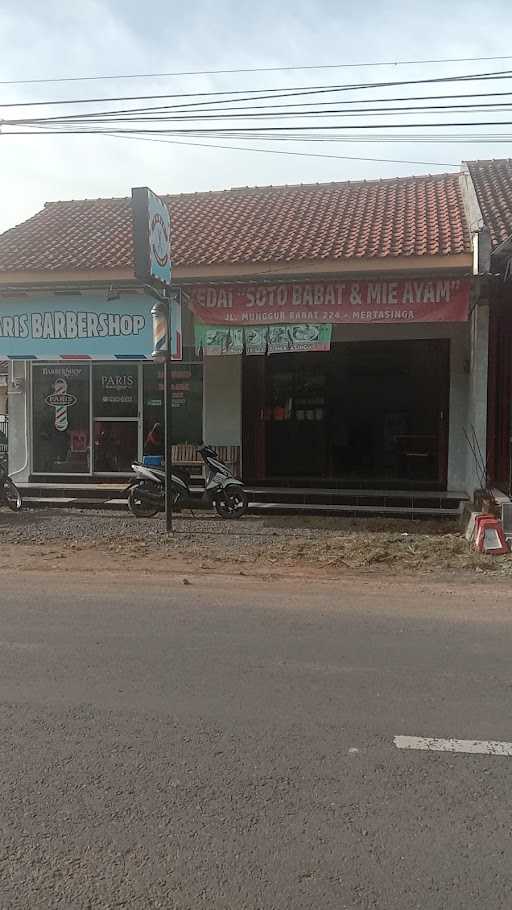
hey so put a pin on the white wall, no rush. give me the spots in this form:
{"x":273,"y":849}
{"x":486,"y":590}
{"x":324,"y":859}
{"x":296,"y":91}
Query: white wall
{"x":19,"y":413}
{"x":459,"y":390}
{"x":222,"y":400}
{"x":477,"y":396}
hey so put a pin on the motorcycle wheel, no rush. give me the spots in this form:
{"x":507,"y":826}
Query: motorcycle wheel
{"x":232,"y":502}
{"x":12,"y":495}
{"x":139,"y":508}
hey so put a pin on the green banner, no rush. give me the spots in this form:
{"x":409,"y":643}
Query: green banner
{"x":256,"y":339}
{"x":216,"y":340}
{"x":301,"y":337}
{"x":262,"y":339}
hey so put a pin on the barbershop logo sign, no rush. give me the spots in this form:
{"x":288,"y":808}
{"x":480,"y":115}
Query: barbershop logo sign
{"x":65,"y":325}
{"x":51,"y":326}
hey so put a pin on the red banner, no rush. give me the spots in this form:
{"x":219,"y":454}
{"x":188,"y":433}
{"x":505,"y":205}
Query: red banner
{"x":417,"y":300}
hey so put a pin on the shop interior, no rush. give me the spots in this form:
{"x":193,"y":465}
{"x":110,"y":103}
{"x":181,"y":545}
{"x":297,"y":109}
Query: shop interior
{"x":373,"y":412}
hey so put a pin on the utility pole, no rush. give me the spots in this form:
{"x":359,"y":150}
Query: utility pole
{"x":168,"y":438}
{"x":161,"y":313}
{"x":152,"y":260}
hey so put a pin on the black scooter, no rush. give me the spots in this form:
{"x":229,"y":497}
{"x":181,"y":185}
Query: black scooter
{"x":146,"y":495}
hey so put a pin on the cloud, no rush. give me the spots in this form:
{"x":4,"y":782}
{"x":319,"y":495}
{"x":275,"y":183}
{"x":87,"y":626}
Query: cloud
{"x":125,"y":36}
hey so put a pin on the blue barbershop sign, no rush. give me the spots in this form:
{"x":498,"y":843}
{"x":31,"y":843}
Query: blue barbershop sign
{"x":151,"y":237}
{"x":81,"y":326}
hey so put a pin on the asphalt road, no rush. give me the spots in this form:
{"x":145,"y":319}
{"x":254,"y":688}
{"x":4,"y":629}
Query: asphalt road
{"x":222,"y":746}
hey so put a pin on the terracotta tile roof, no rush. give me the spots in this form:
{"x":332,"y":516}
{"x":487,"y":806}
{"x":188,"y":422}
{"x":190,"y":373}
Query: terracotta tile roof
{"x":407,"y":216}
{"x":493,"y":185}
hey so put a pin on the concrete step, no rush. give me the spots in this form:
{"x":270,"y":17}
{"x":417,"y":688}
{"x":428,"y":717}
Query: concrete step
{"x":96,"y":491}
{"x":361,"y":511}
{"x":362,"y":493}
{"x":304,"y":495}
{"x":273,"y":500}
{"x":66,"y":502}
{"x":258,"y":508}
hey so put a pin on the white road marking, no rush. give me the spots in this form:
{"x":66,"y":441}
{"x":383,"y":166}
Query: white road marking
{"x":469,"y":746}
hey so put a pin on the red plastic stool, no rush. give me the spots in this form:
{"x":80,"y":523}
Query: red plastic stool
{"x":489,"y":536}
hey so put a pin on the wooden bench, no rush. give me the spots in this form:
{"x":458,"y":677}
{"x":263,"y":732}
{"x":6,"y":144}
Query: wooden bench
{"x":187,"y":456}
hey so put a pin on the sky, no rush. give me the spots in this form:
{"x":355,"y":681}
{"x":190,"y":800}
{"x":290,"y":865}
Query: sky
{"x":101,"y":37}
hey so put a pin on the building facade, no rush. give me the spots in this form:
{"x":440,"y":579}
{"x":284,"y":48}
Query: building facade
{"x":332,"y":334}
{"x":492,"y":211}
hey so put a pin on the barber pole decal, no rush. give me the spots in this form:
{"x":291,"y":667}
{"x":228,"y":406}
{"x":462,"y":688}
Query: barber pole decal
{"x":61,"y":400}
{"x":160,"y":333}
{"x":61,"y":410}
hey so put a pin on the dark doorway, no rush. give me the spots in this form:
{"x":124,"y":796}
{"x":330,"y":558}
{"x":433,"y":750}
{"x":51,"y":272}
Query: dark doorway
{"x":372,"y":413}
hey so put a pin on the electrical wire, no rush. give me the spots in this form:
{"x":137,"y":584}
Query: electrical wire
{"x":161,"y":115}
{"x":282,"y":135}
{"x":310,"y":126}
{"x":229,"y":134}
{"x":254,"y":69}
{"x":303,"y":104}
{"x":167,"y":120}
{"x":281,"y":151}
{"x":278,"y":92}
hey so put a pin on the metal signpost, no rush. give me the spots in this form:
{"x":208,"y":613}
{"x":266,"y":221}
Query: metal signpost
{"x":161,"y":312}
{"x":152,"y":232}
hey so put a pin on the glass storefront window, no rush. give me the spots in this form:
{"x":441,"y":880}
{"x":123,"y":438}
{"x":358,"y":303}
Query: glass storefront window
{"x":61,"y":418}
{"x":187,"y":405}
{"x":153,"y":433}
{"x":115,"y":390}
{"x":116,"y":445}
{"x":76,"y":435}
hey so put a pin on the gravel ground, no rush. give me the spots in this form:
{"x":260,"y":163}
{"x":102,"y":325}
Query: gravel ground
{"x":335,"y":545}
{"x":87,"y":526}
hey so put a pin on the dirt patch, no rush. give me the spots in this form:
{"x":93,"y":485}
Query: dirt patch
{"x":268,"y":547}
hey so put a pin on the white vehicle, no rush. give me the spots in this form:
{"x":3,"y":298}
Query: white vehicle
{"x":146,"y":495}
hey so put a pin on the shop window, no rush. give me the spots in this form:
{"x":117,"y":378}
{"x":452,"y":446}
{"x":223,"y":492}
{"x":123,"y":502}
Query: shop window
{"x":116,"y":444}
{"x":187,"y":405}
{"x":60,"y":409}
{"x":295,"y":415}
{"x":115,"y":390}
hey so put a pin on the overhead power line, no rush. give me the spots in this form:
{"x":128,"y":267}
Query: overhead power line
{"x":278,"y":134}
{"x":254,"y":69}
{"x":163,"y":114}
{"x":206,"y":107}
{"x":272,"y":93}
{"x":239,"y":148}
{"x":309,"y":126}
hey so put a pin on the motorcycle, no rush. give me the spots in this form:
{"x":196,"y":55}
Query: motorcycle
{"x":9,"y":493}
{"x":146,"y":495}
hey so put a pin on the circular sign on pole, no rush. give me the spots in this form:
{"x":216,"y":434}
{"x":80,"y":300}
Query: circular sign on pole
{"x":151,"y":237}
{"x":159,"y":240}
